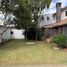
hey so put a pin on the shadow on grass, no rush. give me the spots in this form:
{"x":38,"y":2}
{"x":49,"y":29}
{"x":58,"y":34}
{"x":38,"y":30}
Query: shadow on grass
{"x":16,"y":44}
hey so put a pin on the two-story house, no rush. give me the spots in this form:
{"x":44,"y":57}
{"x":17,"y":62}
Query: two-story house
{"x":54,"y":23}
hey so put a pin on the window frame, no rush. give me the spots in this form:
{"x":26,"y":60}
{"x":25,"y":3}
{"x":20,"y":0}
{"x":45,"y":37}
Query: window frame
{"x":42,"y":18}
{"x":47,"y":18}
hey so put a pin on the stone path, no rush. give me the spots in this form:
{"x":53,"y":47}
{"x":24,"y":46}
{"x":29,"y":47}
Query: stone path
{"x":44,"y":65}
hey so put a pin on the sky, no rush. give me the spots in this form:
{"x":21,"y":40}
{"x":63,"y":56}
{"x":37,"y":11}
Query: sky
{"x":2,"y":17}
{"x":52,"y":7}
{"x":53,"y":3}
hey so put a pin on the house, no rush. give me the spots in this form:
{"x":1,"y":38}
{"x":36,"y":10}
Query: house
{"x":54,"y":23}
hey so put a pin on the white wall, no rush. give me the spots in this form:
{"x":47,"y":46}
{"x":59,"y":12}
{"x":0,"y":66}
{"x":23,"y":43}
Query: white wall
{"x":51,"y":18}
{"x":46,"y":22}
{"x":1,"y":29}
{"x":63,"y":15}
{"x":6,"y":35}
{"x":18,"y":34}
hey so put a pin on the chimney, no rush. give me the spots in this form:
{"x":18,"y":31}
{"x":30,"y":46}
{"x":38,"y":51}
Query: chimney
{"x":58,"y":11}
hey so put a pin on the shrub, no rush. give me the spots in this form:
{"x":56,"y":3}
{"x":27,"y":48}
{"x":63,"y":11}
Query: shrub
{"x":60,"y":40}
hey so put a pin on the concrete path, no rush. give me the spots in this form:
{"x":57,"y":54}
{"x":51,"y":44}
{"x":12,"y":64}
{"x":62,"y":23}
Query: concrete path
{"x":44,"y":65}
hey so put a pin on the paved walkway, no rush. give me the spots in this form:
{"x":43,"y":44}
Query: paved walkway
{"x":44,"y":65}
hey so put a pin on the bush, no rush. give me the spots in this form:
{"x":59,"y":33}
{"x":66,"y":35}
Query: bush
{"x":60,"y":40}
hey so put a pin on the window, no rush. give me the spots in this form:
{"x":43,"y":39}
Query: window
{"x":47,"y":18}
{"x":42,"y":18}
{"x":54,"y":16}
{"x":66,"y":13}
{"x":11,"y":32}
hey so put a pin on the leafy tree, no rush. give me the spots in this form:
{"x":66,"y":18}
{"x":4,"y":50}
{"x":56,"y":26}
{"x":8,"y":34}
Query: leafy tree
{"x":23,"y":14}
{"x":25,"y":10}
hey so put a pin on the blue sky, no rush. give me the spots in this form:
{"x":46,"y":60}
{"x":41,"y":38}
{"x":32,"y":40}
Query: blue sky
{"x":53,"y":3}
{"x":52,"y":7}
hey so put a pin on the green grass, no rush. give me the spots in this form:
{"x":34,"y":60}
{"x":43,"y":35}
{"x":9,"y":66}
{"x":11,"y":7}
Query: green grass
{"x":18,"y":52}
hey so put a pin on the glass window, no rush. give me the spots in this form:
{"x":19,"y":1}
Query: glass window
{"x":42,"y":18}
{"x":66,"y":13}
{"x":47,"y":18}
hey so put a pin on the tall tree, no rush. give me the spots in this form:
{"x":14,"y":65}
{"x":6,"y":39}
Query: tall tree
{"x":25,"y":11}
{"x":23,"y":14}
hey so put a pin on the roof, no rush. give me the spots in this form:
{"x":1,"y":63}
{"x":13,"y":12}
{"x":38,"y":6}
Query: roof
{"x":57,"y":24}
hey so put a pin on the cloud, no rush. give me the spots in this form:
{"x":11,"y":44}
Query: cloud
{"x":52,"y":8}
{"x":53,"y":3}
{"x":64,"y":3}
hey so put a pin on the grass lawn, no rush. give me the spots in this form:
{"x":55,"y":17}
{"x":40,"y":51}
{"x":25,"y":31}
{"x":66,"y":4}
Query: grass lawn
{"x":18,"y":52}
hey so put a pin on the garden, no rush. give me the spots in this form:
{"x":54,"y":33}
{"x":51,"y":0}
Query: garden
{"x":19,"y":52}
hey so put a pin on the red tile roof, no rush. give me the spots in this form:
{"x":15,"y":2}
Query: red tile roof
{"x":57,"y":24}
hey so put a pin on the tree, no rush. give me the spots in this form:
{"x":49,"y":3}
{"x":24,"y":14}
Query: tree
{"x":23,"y":14}
{"x":37,"y":6}
{"x":25,"y":11}
{"x":8,"y":7}
{"x":28,"y":13}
